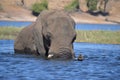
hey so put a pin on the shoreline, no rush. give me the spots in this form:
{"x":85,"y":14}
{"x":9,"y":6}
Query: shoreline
{"x":78,"y":17}
{"x":76,"y":21}
{"x":85,"y":18}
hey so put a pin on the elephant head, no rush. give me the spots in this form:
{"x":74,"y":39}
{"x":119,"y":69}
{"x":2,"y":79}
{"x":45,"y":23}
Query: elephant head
{"x":56,"y":31}
{"x":50,"y":36}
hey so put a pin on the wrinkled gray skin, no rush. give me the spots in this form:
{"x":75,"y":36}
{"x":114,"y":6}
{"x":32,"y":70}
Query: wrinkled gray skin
{"x":51,"y":36}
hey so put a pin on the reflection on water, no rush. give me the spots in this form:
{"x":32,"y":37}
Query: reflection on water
{"x":102,"y":62}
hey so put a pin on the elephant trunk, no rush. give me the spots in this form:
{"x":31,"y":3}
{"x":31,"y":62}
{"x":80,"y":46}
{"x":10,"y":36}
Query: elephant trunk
{"x":65,"y":53}
{"x":61,"y":53}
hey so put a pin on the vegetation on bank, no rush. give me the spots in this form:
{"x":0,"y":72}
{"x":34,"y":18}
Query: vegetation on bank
{"x":38,"y":7}
{"x":98,"y":36}
{"x":74,"y":5}
{"x":9,"y":32}
{"x":1,"y":7}
{"x":95,"y":36}
{"x":92,"y":4}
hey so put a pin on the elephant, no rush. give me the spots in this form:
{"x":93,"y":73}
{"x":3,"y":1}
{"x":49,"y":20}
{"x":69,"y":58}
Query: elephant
{"x":51,"y":36}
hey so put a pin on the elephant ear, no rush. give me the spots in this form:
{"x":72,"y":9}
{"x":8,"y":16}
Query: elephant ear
{"x":38,"y":38}
{"x":38,"y":31}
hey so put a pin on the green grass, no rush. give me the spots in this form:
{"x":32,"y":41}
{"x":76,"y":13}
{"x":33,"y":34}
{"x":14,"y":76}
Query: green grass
{"x":108,"y":37}
{"x":38,"y":7}
{"x":72,"y":6}
{"x":9,"y":32}
{"x":92,"y":4}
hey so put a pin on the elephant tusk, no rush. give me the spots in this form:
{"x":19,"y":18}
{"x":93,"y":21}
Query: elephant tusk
{"x":50,"y":56}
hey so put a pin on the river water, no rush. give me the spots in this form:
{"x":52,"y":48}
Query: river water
{"x":112,"y":27}
{"x":101,"y":62}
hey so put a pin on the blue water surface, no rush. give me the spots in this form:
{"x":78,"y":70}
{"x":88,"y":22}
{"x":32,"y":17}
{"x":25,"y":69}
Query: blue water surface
{"x":14,"y":23}
{"x":101,"y":62}
{"x":113,"y":27}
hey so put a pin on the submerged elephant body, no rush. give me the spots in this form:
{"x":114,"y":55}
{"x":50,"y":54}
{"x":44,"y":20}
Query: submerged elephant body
{"x":51,"y":36}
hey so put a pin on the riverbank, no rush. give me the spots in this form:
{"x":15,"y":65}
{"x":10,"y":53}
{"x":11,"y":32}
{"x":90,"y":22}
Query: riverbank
{"x":81,"y":17}
{"x":21,"y":14}
{"x":20,"y":10}
{"x":94,"y":36}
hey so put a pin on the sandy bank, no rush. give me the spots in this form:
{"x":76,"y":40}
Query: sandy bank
{"x":80,"y":17}
{"x":26,"y":15}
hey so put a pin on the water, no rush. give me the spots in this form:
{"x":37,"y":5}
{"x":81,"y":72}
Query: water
{"x":113,"y":27}
{"x":14,"y":23}
{"x":101,"y":62}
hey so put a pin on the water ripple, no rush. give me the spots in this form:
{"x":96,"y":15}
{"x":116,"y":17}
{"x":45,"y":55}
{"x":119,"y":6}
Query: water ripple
{"x":100,"y":63}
